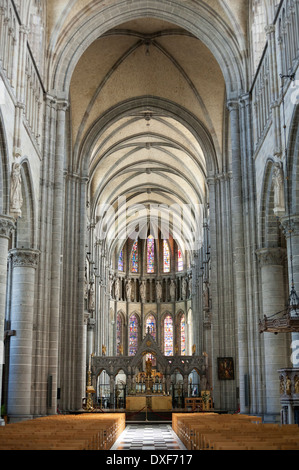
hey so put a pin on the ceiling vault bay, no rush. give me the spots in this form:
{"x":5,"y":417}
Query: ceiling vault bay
{"x":148,"y":153}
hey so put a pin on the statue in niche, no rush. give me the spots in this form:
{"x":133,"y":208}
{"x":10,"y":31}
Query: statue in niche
{"x":16,"y":199}
{"x":142,"y":290}
{"x":110,"y":285}
{"x":158,"y":291}
{"x":189,"y":287}
{"x":129,"y":290}
{"x":184,"y":288}
{"x":278,"y":182}
{"x":85,"y":285}
{"x":91,"y":298}
{"x":296,"y":384}
{"x":172,"y":290}
{"x":116,"y":289}
{"x":206,"y":301}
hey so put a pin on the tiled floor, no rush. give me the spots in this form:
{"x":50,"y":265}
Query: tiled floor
{"x":148,"y":437}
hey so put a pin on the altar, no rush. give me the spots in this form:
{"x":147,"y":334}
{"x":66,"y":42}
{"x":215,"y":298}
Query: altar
{"x":149,"y":402}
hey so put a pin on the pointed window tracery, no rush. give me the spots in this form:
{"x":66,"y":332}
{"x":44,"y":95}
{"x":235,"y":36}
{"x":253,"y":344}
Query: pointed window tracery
{"x":121,"y":261}
{"x":133,"y":335}
{"x":134,"y":258}
{"x":166,"y":257}
{"x":168,"y":336}
{"x":150,"y":254}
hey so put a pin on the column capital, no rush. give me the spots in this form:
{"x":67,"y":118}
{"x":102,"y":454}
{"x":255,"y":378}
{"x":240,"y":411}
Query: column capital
{"x":232,"y":105}
{"x":269,"y":29}
{"x":7,"y":226}
{"x":24,"y":258}
{"x":290,"y":225}
{"x":271,"y":256}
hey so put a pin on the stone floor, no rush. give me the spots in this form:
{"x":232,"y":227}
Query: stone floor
{"x":148,"y":437}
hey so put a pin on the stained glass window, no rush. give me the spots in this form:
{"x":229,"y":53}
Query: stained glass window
{"x":180,"y":261}
{"x":183,"y":336}
{"x":150,"y":254}
{"x":166,"y":257}
{"x":151,"y":324}
{"x":119,"y":327}
{"x":121,"y":261}
{"x":133,"y":335}
{"x":168,"y":336}
{"x":134,"y":258}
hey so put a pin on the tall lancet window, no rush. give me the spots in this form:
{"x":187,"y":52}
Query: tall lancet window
{"x":119,"y":334}
{"x":121,"y":261}
{"x":183,"y":335}
{"x":150,"y":254}
{"x":168,"y":336}
{"x":133,"y":335}
{"x":134,"y":258}
{"x":151,"y":326}
{"x":180,"y":261}
{"x":166,"y":257}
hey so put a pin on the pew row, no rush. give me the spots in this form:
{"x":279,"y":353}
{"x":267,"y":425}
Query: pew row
{"x":213,"y":431}
{"x":64,"y":432}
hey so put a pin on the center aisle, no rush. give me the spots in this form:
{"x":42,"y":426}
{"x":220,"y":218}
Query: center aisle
{"x":148,"y":437}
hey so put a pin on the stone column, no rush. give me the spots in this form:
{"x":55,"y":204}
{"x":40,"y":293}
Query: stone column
{"x":239,"y":253}
{"x":57,"y":230}
{"x":273,"y":301}
{"x":24,"y":263}
{"x":291,"y":230}
{"x":7,"y":225}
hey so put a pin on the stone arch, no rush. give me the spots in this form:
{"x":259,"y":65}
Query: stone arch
{"x":26,"y":225}
{"x":154,"y":315}
{"x":4,"y":170}
{"x":293,"y":163}
{"x":90,"y":24}
{"x":270,"y":230}
{"x":153,"y":104}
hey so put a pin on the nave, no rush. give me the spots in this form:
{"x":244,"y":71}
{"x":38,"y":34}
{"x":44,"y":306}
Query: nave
{"x":148,"y":437}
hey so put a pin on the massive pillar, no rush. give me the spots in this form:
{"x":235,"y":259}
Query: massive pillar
{"x":273,"y":301}
{"x":7,"y":226}
{"x":24,"y":264}
{"x":239,"y":255}
{"x":291,"y":228}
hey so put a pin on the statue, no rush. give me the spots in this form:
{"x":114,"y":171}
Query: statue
{"x":116,"y":289}
{"x":184,"y":288}
{"x":91,"y":298}
{"x":158,"y":291}
{"x":296,"y":384}
{"x":16,"y":199}
{"x":172,"y":290}
{"x":279,"y":202}
{"x":142,"y":291}
{"x":193,"y":350}
{"x":85,"y":285}
{"x":206,"y":300}
{"x":110,"y":285}
{"x":121,"y":349}
{"x":148,"y":365}
{"x":129,"y":291}
{"x":104,"y":350}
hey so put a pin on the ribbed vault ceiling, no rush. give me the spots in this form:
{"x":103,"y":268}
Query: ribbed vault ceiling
{"x":150,"y":156}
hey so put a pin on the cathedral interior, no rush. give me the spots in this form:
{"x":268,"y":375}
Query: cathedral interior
{"x":149,"y":229}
